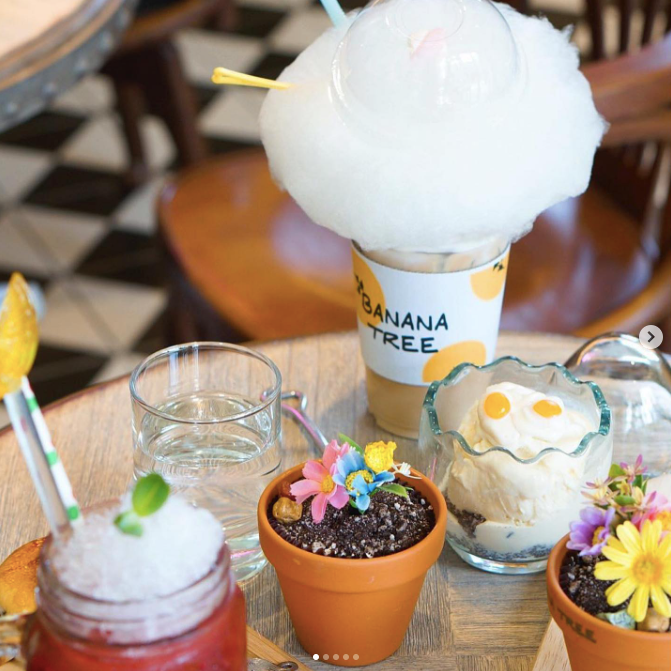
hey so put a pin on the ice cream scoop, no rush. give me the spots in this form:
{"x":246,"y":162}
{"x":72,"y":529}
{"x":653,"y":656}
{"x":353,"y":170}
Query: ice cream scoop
{"x":524,"y":422}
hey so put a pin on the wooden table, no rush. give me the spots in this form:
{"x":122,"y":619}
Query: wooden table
{"x":255,"y":262}
{"x":68,"y":42}
{"x":466,"y":620}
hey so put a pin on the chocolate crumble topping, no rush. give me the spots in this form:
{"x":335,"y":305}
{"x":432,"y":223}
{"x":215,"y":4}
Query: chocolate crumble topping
{"x":468,"y":521}
{"x":391,"y":524}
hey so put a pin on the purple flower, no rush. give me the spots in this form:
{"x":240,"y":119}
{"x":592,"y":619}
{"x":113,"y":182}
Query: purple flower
{"x":591,"y":533}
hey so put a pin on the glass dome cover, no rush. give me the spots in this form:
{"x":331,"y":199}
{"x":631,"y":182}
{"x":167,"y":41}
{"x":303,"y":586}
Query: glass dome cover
{"x":419,"y":61}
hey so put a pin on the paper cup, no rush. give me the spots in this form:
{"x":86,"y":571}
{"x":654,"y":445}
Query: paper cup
{"x":419,"y":316}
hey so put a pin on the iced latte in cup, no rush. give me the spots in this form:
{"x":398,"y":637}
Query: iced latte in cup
{"x":431,"y":133}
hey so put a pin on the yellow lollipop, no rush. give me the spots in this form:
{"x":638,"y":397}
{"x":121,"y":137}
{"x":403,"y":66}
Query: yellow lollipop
{"x":18,"y":335}
{"x":18,"y":346}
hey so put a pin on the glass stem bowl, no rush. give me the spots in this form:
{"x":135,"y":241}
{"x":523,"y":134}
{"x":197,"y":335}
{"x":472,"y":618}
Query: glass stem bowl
{"x":506,"y":511}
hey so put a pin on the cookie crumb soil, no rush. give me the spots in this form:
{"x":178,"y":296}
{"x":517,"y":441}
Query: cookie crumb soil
{"x":390,"y":525}
{"x":579,"y":584}
{"x":577,"y":580}
{"x":467,"y":520}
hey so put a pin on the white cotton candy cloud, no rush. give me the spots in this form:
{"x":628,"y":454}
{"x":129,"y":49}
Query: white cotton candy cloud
{"x":432,"y":125}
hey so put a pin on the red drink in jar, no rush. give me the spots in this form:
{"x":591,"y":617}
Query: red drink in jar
{"x":200,"y":627}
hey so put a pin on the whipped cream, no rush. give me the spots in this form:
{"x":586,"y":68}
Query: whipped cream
{"x":524,"y":504}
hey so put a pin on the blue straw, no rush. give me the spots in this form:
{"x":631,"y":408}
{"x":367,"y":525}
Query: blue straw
{"x":335,"y":12}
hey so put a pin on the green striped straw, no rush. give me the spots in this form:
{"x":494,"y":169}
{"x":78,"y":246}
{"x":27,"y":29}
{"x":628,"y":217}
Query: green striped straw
{"x":45,"y":467}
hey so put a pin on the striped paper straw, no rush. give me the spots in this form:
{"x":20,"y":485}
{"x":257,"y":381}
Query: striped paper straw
{"x":61,"y":479}
{"x":36,"y":461}
{"x":46,"y":469}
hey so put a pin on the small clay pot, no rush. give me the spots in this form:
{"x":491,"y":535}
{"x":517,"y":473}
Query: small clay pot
{"x":596,"y":645}
{"x":356,"y":611}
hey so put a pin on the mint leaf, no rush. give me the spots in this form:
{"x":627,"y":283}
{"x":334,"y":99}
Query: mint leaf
{"x":620,"y":619}
{"x":393,"y":488}
{"x":129,"y":523}
{"x":344,"y":439}
{"x":150,"y":493}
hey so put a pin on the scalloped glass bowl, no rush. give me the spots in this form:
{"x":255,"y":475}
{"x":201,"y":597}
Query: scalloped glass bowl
{"x":549,"y":484}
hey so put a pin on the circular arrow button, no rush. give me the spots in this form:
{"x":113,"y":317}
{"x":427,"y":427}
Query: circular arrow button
{"x":651,"y":336}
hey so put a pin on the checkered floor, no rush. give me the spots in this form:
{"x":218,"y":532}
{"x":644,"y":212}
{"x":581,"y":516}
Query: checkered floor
{"x":68,"y":222}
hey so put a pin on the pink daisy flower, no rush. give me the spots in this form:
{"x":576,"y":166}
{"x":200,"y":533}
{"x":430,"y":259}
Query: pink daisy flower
{"x":319,"y":482}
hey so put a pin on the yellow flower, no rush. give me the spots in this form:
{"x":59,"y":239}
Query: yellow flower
{"x":379,"y":456}
{"x":665,"y":519}
{"x":641,"y":564}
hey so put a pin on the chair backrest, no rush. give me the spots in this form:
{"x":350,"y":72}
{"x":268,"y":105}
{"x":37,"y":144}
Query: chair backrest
{"x":633,"y":92}
{"x":630,"y":171}
{"x":637,"y":23}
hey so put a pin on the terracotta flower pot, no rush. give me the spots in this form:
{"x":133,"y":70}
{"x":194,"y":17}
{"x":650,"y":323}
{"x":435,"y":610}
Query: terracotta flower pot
{"x":595,"y":645}
{"x":356,"y":611}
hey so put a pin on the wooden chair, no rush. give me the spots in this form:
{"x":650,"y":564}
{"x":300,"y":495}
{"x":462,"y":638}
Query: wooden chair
{"x":634,"y":94}
{"x":631,"y":173}
{"x":148,"y":78}
{"x":654,"y":12}
{"x":590,"y":264}
{"x":615,"y":240}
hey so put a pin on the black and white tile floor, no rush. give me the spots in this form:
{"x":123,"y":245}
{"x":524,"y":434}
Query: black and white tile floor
{"x":68,"y":222}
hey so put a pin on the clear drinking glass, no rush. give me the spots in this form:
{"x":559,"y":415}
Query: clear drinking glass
{"x":207,"y":417}
{"x":534,"y":498}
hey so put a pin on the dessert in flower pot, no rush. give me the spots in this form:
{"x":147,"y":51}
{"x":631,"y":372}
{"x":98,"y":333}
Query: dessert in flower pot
{"x":351,"y":538}
{"x":609,"y":581}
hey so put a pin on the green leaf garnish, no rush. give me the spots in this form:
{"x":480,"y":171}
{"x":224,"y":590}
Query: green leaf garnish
{"x":150,"y":493}
{"x":624,"y":500}
{"x":129,"y":523}
{"x":344,"y":439}
{"x":394,"y":488}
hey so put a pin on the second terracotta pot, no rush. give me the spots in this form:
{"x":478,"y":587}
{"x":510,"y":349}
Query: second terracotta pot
{"x":595,"y":645}
{"x":356,"y":611}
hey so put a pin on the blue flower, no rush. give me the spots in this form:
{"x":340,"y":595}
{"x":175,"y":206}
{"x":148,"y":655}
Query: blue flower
{"x":348,"y":463}
{"x":359,"y":480}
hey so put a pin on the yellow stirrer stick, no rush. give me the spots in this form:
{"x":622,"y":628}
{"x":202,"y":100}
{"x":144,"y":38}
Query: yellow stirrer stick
{"x":231,"y":77}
